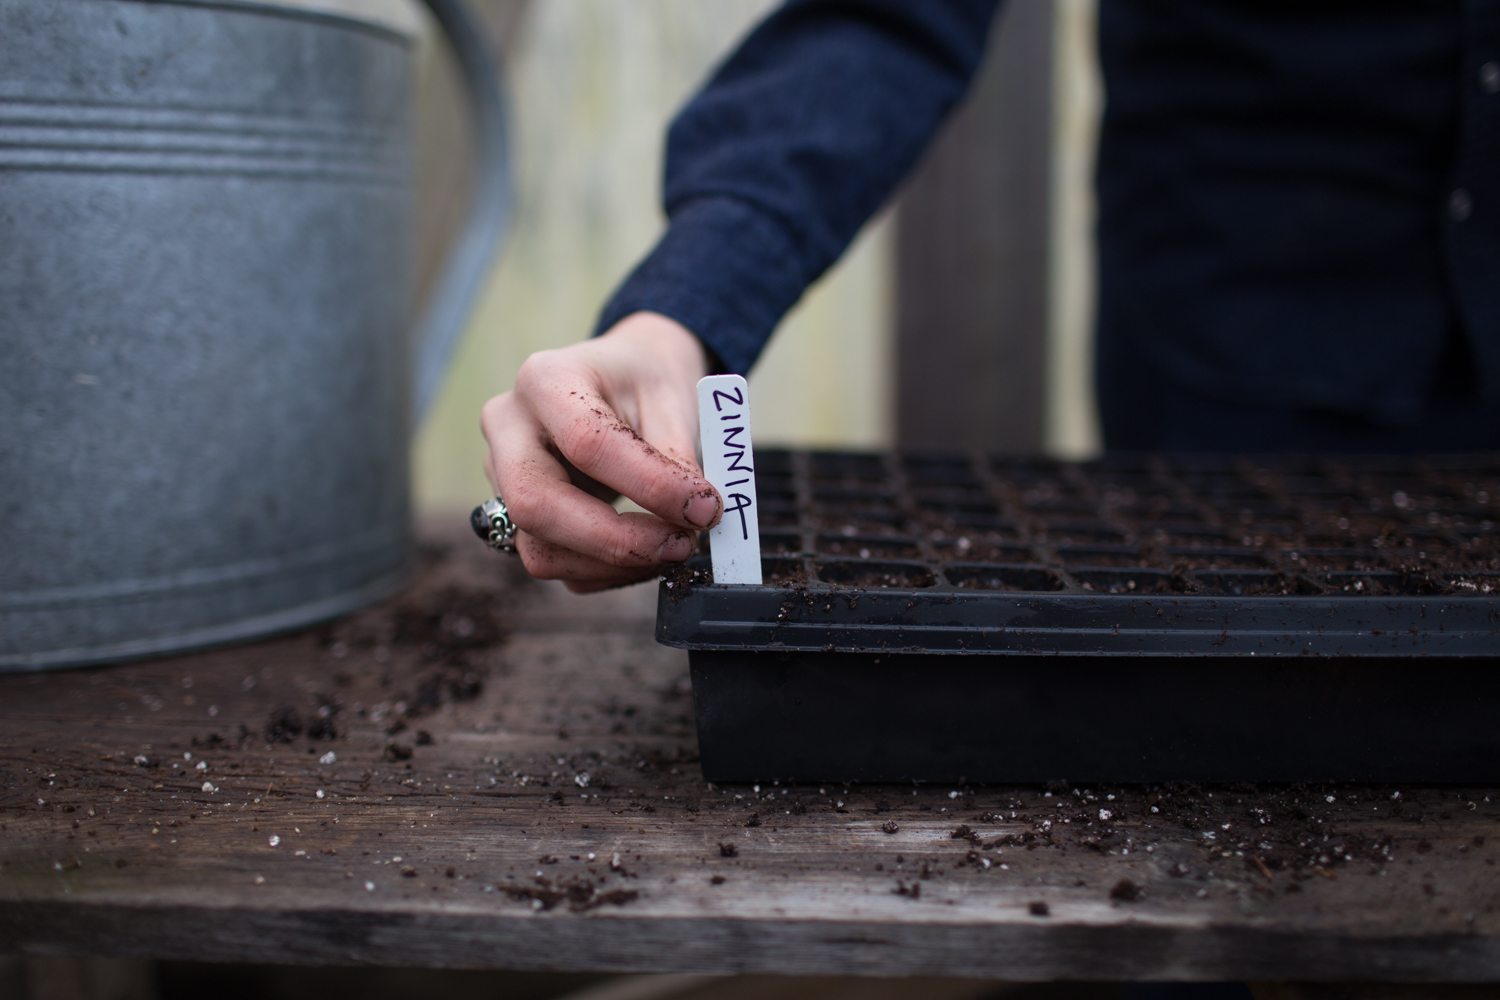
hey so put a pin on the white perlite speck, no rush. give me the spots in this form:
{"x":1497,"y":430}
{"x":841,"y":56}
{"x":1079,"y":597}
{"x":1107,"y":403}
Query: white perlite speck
{"x":274,"y":840}
{"x":328,"y":758}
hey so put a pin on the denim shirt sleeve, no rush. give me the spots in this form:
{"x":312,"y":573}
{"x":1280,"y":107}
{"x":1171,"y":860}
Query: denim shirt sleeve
{"x":792,"y":144}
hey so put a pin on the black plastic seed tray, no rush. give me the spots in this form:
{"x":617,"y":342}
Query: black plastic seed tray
{"x":945,"y":618}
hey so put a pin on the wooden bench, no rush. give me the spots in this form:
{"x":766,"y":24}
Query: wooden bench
{"x":489,"y":773}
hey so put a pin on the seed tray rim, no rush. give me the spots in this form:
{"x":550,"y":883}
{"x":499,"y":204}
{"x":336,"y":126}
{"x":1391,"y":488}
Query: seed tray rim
{"x":771,"y":619}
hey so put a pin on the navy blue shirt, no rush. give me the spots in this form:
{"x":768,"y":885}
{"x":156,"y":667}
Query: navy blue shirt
{"x":1299,"y":203}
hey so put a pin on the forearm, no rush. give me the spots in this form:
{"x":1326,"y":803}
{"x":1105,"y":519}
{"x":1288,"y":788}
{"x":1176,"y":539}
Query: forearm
{"x":790,"y":147}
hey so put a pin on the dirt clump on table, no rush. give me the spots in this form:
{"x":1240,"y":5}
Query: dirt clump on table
{"x":579,"y":894}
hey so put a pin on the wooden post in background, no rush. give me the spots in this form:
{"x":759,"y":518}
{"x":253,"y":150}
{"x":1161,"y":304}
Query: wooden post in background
{"x":972,"y":249}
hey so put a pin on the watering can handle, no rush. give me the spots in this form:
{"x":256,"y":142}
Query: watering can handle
{"x":458,"y":284}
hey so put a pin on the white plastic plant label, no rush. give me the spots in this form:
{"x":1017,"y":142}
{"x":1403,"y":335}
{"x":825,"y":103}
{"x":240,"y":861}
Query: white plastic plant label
{"x":729,"y":463}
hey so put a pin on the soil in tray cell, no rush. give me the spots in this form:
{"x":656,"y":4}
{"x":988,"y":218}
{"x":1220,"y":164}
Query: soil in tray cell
{"x":1020,"y":579}
{"x":840,"y":495}
{"x":782,"y":572}
{"x":875,"y":575}
{"x":777,"y":517}
{"x":1279,"y":523}
{"x":864,"y":521}
{"x":1153,"y":508}
{"x":1185,"y":537}
{"x":779,"y":543}
{"x":855,"y":547}
{"x":775,"y":571}
{"x":1314,"y":486}
{"x":1216,"y":559}
{"x":1333,"y":560}
{"x":1477,"y":554}
{"x":773,"y":461}
{"x":981,"y":550}
{"x":948,"y":495}
{"x":1320,"y":537}
{"x":1051,"y":496}
{"x":1140,"y":581}
{"x":1473,"y":583}
{"x":1420,"y":581}
{"x":1353,"y":530}
{"x":779,"y":498}
{"x":1362,"y":584}
{"x":1467,"y":520}
{"x":1068,"y":508}
{"x":951,"y":472}
{"x":825,"y":489}
{"x":1255,"y":584}
{"x":1102,"y":556}
{"x":773,"y":482}
{"x":1231,"y":498}
{"x":778,"y":502}
{"x":1114,"y":478}
{"x":1477,"y":491}
{"x":1082,"y":533}
{"x":843,"y":463}
{"x":1210,"y":479}
{"x":975,"y":521}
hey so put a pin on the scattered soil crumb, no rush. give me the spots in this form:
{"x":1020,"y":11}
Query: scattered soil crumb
{"x":284,"y":725}
{"x":578,"y":893}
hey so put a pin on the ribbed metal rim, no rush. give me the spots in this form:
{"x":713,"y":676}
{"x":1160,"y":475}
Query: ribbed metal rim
{"x":381,"y":19}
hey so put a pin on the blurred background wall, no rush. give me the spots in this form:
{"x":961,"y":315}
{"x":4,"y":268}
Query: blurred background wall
{"x":593,"y":85}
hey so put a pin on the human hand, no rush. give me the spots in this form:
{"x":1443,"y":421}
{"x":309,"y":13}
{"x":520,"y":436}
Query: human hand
{"x":613,"y":415}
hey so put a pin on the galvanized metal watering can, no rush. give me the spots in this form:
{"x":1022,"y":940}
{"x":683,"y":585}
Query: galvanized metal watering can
{"x":206,"y":386}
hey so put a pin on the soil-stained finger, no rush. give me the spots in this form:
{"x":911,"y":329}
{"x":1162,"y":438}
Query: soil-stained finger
{"x":599,"y":443}
{"x":580,"y":572}
{"x":544,"y":503}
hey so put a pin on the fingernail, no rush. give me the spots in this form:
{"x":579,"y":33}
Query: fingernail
{"x":703,"y":508}
{"x":676,"y":548}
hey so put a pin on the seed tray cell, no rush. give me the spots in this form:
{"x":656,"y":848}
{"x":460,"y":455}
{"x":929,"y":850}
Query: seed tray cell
{"x":943,"y":617}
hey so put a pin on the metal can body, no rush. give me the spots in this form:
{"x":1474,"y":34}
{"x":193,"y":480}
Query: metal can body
{"x":204,"y":393}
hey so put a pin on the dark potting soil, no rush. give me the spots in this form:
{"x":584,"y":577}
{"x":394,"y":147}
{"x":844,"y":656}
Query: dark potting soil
{"x":1231,"y":527}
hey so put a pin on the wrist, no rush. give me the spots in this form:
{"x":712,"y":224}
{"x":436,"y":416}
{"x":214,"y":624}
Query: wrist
{"x":670,"y":344}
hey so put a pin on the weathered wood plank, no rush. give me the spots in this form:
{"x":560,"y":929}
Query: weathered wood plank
{"x":506,"y":777}
{"x":973,"y":236}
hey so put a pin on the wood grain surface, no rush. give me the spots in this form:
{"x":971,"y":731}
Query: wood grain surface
{"x":490,"y":773}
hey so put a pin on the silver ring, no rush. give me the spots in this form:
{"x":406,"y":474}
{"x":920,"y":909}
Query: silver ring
{"x":491,"y":522}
